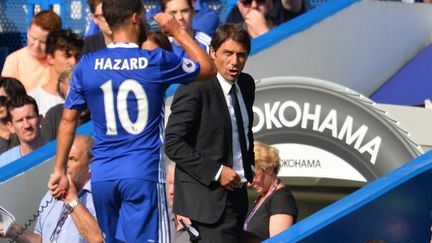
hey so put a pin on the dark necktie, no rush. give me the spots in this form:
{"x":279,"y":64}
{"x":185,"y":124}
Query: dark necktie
{"x":242,"y":139}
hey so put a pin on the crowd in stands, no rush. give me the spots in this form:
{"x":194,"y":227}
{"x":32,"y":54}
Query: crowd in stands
{"x":36,"y":81}
{"x":50,"y":50}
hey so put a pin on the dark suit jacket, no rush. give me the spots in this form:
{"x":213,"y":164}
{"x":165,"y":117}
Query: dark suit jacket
{"x":199,"y":140}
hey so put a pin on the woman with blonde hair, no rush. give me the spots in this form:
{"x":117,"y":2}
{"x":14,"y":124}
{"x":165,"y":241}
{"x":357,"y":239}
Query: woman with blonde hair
{"x":275,"y":210}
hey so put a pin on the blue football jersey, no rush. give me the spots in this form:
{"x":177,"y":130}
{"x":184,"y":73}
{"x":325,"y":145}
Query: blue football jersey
{"x":201,"y":38}
{"x":123,"y":86}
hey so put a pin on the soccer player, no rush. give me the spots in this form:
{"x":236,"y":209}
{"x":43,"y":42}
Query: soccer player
{"x":123,"y":86}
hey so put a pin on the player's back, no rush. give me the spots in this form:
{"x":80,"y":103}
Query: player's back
{"x":124,"y":87}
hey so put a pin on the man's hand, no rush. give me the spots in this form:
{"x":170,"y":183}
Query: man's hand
{"x":58,"y":185}
{"x":229,"y":178}
{"x":167,"y":23}
{"x":256,"y":23}
{"x":2,"y":234}
{"x":185,"y":219}
{"x":14,"y":228}
{"x":72,"y":193}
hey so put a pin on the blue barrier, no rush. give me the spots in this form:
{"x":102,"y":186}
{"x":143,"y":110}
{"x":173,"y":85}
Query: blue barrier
{"x":38,"y":156}
{"x":411,"y":84}
{"x":394,"y":208}
{"x":298,"y":24}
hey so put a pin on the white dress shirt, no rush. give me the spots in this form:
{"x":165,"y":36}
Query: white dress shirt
{"x":237,"y":156}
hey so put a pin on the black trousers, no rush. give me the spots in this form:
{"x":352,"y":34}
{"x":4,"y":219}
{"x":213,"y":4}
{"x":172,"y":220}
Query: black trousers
{"x":229,"y":227}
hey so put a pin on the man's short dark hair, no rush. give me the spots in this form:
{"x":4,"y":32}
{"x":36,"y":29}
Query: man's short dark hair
{"x":64,"y":40}
{"x":231,"y":31}
{"x":12,"y":86}
{"x":117,"y":12}
{"x":20,"y":101}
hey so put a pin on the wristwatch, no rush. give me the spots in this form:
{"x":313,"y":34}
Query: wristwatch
{"x":71,"y":206}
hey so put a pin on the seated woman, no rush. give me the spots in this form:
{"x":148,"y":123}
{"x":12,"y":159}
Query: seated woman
{"x":275,"y":210}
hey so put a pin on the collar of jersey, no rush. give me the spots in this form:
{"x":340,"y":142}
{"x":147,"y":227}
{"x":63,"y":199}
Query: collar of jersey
{"x":122,"y":45}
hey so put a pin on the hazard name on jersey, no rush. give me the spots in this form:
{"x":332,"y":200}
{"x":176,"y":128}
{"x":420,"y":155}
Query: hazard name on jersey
{"x":133,"y":63}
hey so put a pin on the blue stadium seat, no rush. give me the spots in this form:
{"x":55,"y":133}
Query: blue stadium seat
{"x":44,"y":4}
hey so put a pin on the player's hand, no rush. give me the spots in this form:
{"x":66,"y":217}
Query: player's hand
{"x":58,"y":184}
{"x":229,"y":178}
{"x":256,"y":23}
{"x":168,"y":24}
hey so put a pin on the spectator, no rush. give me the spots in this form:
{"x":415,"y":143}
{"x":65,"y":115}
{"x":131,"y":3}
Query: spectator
{"x":23,"y":120}
{"x":259,"y":16}
{"x":156,"y":39}
{"x":182,"y":10}
{"x":275,"y":210}
{"x":63,"y":49}
{"x":9,"y":87}
{"x":53,"y":116}
{"x":29,"y":64}
{"x":80,"y":224}
{"x":177,"y":231}
{"x":204,"y":19}
{"x":91,"y":27}
{"x":125,"y":100}
{"x":101,"y":38}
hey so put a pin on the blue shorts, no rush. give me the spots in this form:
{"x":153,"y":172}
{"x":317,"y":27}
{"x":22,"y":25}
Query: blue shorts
{"x":131,"y":210}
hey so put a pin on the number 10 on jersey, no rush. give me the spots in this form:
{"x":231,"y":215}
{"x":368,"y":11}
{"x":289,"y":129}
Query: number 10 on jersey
{"x":129,"y":85}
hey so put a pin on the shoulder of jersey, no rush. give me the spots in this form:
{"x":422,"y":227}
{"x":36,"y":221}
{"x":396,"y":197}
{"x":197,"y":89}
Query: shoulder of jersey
{"x":203,"y":38}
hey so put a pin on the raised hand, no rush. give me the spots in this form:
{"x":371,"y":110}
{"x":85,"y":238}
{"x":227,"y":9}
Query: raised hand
{"x":167,"y":23}
{"x":256,"y":23}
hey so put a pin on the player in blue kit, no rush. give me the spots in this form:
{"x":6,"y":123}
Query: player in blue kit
{"x":123,"y":87}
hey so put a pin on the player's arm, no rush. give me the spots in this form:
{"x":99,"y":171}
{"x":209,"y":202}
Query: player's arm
{"x":58,"y":182}
{"x":171,"y":27}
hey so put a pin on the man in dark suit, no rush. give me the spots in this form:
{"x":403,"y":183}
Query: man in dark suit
{"x":209,"y":137}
